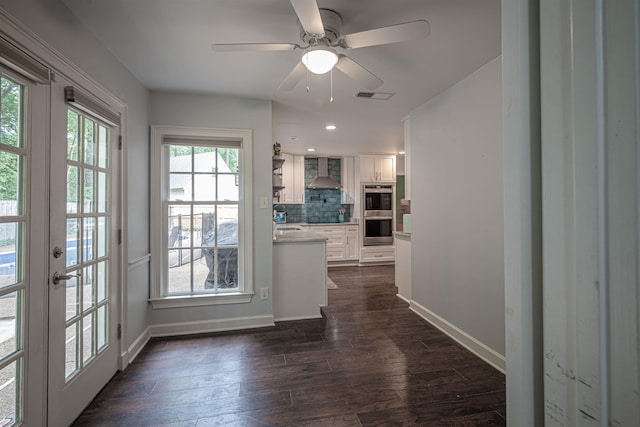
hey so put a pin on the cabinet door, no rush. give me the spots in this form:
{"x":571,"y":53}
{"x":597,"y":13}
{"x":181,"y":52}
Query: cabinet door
{"x":368,"y":171}
{"x":286,"y":195}
{"x":348,"y":181}
{"x":298,"y":180}
{"x":386,"y":168}
{"x":352,"y":248}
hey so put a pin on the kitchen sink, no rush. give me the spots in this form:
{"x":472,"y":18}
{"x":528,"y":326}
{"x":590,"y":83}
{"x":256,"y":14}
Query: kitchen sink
{"x":288,"y":228}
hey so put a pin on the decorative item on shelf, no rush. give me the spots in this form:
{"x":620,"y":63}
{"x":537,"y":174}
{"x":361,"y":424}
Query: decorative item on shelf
{"x":341,"y":215}
{"x":276,"y":149}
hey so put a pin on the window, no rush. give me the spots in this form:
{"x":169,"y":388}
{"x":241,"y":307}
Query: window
{"x":201,"y":236}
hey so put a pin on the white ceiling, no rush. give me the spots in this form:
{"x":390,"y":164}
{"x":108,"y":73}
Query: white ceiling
{"x":166,"y":44}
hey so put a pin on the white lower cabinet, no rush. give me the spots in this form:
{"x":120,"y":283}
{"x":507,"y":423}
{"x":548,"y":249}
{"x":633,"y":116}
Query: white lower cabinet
{"x":342,"y":241}
{"x":353,"y":244}
{"x":377,"y":254}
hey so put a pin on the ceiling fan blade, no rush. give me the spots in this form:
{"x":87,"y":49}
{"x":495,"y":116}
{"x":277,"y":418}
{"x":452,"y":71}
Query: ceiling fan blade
{"x":253,"y":47}
{"x":358,"y":73}
{"x":309,"y":16}
{"x":294,"y":77}
{"x":385,"y":35}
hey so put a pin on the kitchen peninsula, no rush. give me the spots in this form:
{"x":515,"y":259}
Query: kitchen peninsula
{"x":300,"y":274}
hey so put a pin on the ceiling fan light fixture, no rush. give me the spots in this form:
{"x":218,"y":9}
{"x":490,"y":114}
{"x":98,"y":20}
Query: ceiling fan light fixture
{"x":320,"y":59}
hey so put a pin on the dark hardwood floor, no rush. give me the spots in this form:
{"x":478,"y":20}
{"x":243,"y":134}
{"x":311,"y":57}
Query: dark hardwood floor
{"x":370,"y":362}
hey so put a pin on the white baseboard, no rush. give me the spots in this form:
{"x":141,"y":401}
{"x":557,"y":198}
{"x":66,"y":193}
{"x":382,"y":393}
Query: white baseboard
{"x":407,"y":300}
{"x":287,"y":319}
{"x":204,"y":326}
{"x":480,"y":349}
{"x":134,"y":349}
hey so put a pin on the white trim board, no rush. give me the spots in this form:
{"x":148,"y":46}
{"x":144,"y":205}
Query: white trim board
{"x":204,"y":326}
{"x":478,"y":348}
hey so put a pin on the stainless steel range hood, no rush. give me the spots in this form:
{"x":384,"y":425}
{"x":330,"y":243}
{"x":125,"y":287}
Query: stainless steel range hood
{"x":323,"y":180}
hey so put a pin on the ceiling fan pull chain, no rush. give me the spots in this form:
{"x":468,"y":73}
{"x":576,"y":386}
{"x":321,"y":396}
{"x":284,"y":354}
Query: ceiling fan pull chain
{"x":307,"y":80}
{"x":331,"y":99}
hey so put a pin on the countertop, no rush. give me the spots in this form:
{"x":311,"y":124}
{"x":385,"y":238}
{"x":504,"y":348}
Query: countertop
{"x":403,"y":235}
{"x":293,"y":236}
{"x":319,"y":224}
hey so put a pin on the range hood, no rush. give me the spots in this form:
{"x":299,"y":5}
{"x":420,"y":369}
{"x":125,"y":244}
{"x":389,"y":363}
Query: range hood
{"x":323,"y":180}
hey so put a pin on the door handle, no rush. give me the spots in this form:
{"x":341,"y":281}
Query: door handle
{"x":57,"y":277}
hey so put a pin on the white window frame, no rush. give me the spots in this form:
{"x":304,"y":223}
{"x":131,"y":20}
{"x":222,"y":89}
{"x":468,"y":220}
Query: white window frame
{"x":159,"y":250}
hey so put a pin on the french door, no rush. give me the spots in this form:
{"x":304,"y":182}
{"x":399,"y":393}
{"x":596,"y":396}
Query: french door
{"x":83,"y":257}
{"x":23,"y":275}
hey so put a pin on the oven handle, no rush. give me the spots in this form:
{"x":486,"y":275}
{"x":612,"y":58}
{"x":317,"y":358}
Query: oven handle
{"x":377,"y":217}
{"x":378,"y":190}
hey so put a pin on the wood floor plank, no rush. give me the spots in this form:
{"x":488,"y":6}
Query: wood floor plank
{"x":370,"y":361}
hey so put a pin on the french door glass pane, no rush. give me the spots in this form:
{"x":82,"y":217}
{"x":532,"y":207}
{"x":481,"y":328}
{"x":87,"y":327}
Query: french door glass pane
{"x":103,"y":192}
{"x":103,"y":147}
{"x":89,"y":191}
{"x":71,"y":350}
{"x":72,"y":291}
{"x":102,"y":236}
{"x":73,"y":135}
{"x":102,"y":281}
{"x":9,"y":393}
{"x":89,"y":141}
{"x":9,"y":332}
{"x":88,"y":288}
{"x":73,"y":189}
{"x":102,"y":327}
{"x":88,"y":239}
{"x":73,"y":242}
{"x":11,"y":253}
{"x":87,"y":338}
{"x":12,"y":113}
{"x":11,"y":197}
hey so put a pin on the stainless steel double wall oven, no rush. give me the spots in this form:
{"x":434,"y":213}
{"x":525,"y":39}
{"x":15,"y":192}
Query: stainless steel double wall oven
{"x":377,"y":213}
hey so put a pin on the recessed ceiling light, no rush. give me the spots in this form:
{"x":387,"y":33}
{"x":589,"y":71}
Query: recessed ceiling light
{"x":311,"y":149}
{"x":330,"y":127}
{"x":400,"y":152}
{"x":294,"y":138}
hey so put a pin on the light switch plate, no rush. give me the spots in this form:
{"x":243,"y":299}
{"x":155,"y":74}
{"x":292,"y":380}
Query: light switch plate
{"x":264,"y":202}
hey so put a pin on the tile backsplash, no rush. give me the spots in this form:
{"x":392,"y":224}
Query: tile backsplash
{"x":321,"y":205}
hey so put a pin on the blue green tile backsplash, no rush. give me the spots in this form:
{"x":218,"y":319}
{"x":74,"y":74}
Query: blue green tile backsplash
{"x":321,"y":205}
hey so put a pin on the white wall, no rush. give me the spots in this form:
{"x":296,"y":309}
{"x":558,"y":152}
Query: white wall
{"x":457,"y":208}
{"x":180,"y":109}
{"x":53,"y":22}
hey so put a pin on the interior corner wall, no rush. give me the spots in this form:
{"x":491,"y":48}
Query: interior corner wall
{"x":211,"y":111}
{"x":457,"y":207}
{"x":52,"y":22}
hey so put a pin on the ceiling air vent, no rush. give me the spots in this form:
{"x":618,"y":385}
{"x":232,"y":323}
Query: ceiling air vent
{"x":380,"y":96}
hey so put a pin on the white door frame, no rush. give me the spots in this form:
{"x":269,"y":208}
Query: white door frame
{"x":571,"y":107}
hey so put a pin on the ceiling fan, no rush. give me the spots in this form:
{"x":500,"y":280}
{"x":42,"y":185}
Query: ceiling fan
{"x":320,"y":34}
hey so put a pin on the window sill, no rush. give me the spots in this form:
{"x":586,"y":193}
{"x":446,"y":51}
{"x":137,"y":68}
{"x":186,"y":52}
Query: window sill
{"x":200,"y":300}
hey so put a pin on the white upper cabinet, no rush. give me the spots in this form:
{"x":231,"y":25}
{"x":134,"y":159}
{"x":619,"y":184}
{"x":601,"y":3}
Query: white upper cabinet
{"x":349,"y":185}
{"x":292,"y":179}
{"x":377,"y":168}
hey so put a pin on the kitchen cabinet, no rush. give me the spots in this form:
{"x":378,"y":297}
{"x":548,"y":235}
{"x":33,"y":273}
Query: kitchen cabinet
{"x":292,"y":179}
{"x":352,"y":242}
{"x":349,"y":184}
{"x":377,"y":168}
{"x":342,"y":241}
{"x":377,"y":254}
